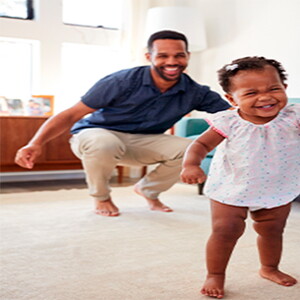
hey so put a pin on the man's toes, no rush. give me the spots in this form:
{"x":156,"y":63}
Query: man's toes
{"x":167,"y":209}
{"x":114,"y":214}
{"x":107,"y":213}
{"x":102,"y":212}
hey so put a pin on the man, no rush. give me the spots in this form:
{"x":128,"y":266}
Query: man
{"x":129,"y":112}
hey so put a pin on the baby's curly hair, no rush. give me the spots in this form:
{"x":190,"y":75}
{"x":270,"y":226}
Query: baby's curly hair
{"x":247,"y":63}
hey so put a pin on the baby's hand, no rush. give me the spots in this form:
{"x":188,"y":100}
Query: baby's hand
{"x":192,"y":174}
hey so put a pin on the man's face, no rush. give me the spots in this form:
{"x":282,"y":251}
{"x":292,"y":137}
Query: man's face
{"x":168,"y":58}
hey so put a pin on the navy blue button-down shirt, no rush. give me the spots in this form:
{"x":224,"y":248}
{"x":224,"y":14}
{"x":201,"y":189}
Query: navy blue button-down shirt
{"x":128,"y":101}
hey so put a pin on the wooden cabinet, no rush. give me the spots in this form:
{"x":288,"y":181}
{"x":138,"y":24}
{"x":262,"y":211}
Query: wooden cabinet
{"x":16,"y":131}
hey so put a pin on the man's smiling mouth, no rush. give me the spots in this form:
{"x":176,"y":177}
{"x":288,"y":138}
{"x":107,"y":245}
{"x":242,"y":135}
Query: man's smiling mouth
{"x":171,"y":70}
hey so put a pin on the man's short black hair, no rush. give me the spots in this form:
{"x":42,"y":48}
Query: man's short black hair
{"x":166,"y":35}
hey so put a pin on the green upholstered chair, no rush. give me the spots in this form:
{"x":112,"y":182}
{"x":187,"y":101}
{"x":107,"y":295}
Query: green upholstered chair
{"x":294,"y":100}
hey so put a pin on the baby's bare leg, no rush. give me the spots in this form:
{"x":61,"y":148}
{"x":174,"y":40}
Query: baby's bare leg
{"x":269,"y":224}
{"x":228,"y":224}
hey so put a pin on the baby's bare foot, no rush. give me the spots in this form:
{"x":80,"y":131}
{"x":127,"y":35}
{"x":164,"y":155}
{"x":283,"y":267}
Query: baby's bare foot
{"x":214,"y":286}
{"x":154,"y":204}
{"x":277,"y":276}
{"x":106,"y":208}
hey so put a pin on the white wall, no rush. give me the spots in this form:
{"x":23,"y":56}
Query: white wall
{"x":238,"y":28}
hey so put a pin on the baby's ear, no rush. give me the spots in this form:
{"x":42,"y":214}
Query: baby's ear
{"x":231,"y":100}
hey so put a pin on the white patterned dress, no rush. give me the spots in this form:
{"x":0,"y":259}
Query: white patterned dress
{"x":257,"y":165}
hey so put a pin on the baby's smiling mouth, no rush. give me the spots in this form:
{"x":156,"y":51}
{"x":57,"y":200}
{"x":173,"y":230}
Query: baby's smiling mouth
{"x":265,"y":106}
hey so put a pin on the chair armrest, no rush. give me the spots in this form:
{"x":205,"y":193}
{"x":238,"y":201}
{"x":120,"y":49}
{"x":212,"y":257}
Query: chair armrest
{"x":190,"y":126}
{"x":293,"y":100}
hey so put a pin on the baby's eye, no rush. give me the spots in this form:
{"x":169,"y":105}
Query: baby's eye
{"x":250,"y":93}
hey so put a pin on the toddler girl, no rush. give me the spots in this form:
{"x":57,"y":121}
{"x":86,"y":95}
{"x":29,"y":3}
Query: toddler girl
{"x":256,"y":167}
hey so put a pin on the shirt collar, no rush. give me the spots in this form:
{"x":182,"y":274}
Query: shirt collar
{"x":179,"y":86}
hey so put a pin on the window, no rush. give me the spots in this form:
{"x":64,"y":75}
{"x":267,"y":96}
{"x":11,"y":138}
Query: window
{"x":96,"y":13}
{"x":48,"y":66}
{"x":17,"y":67}
{"x":19,"y":9}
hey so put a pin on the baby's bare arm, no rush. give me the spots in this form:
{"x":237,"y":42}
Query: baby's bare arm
{"x":195,"y":153}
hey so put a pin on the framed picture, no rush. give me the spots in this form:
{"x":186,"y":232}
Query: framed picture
{"x":40,"y":105}
{"x":11,"y":107}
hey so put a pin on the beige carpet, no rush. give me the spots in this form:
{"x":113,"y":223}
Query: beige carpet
{"x":54,"y":248}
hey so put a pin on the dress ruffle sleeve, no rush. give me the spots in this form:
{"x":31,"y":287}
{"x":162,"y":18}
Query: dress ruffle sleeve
{"x":222,"y":122}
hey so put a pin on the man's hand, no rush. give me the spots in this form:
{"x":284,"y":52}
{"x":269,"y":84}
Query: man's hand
{"x":27,"y":155}
{"x":192,"y":175}
{"x":52,"y":128}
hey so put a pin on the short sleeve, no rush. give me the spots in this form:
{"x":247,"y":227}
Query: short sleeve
{"x":103,"y":92}
{"x":221,"y":122}
{"x":211,"y":101}
{"x":295,"y":110}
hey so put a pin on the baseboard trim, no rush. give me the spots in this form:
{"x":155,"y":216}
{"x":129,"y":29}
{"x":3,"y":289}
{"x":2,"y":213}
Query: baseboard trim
{"x":41,"y":175}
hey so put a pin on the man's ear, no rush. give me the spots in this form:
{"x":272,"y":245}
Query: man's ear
{"x":231,"y":100}
{"x":148,"y":56}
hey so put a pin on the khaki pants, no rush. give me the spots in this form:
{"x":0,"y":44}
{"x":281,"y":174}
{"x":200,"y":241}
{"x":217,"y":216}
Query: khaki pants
{"x":101,"y":150}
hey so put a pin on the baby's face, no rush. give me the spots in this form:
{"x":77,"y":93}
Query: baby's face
{"x":259,"y":94}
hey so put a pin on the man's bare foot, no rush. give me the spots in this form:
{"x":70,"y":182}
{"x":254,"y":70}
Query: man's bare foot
{"x":154,"y":204}
{"x":277,"y":276}
{"x":106,"y":208}
{"x":214,"y":286}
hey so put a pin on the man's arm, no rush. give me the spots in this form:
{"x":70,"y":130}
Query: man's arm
{"x":52,"y":128}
